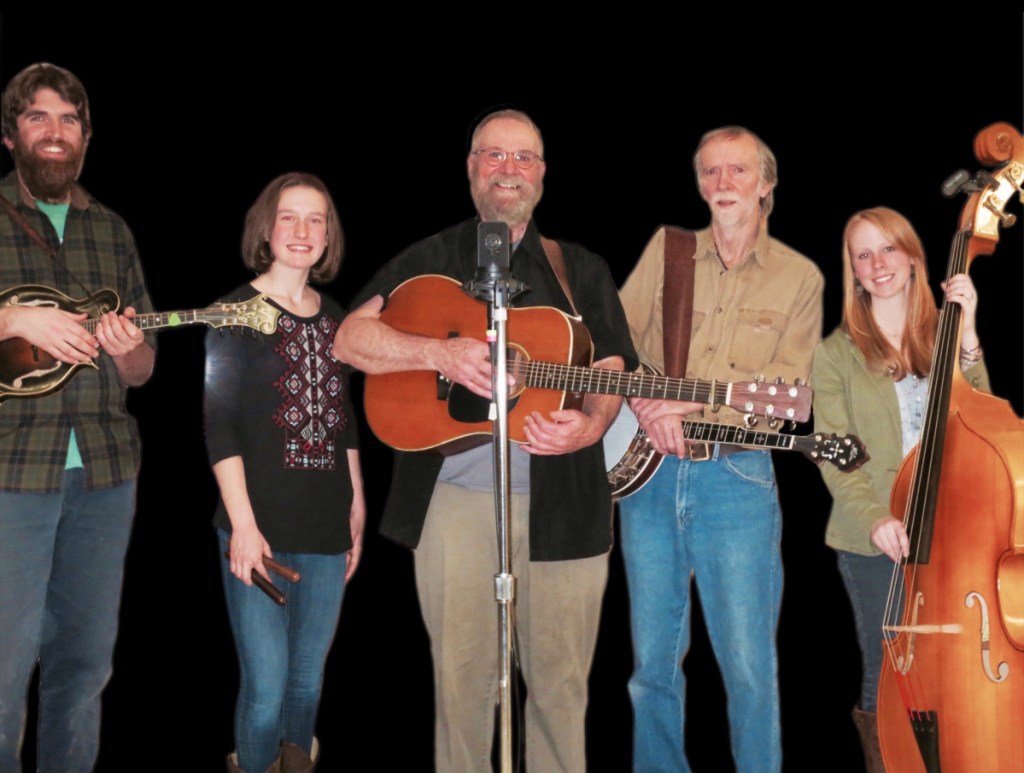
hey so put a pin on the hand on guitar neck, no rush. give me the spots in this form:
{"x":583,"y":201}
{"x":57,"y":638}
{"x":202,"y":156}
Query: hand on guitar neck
{"x":568,"y":430}
{"x":662,"y":421}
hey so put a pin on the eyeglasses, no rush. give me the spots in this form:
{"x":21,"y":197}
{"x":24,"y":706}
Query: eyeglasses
{"x":524,"y":159}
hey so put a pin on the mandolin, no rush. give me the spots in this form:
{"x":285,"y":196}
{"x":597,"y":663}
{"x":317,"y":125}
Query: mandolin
{"x":28,"y":371}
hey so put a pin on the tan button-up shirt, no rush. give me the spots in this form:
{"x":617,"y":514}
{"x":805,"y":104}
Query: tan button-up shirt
{"x":761,"y":317}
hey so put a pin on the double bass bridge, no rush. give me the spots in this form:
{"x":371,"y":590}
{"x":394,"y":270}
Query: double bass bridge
{"x":904,"y":662}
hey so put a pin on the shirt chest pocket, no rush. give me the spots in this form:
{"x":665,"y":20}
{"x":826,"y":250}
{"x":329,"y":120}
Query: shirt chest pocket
{"x":755,"y":339}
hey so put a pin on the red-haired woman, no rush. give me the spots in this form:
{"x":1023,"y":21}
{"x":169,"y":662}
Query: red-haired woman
{"x":870,"y":378}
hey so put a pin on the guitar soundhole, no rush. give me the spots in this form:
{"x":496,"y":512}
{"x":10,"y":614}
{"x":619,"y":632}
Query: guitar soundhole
{"x":464,"y":406}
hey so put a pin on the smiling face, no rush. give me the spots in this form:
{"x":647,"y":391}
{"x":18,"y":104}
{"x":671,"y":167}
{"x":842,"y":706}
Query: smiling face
{"x":49,"y":146}
{"x":882,"y":268}
{"x":299,"y":235}
{"x":506,"y":193}
{"x":729,"y":178}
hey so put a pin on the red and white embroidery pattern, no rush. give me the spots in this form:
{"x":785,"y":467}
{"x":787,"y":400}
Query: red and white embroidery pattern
{"x":311,"y":413}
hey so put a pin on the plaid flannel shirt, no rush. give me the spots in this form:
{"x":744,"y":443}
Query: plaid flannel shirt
{"x":98,"y":252}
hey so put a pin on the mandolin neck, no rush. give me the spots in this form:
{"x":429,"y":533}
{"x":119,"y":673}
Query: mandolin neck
{"x":159,"y":319}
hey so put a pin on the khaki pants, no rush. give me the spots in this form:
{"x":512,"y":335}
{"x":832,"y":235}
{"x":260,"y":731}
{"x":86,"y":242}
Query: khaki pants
{"x":558,"y":608}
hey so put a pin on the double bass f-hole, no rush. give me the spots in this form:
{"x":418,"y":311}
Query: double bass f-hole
{"x":986,"y":655}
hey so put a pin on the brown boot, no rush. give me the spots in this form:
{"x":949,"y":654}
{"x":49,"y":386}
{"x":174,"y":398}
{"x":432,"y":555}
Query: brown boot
{"x":867,"y":728}
{"x":232,"y":763}
{"x":295,"y":760}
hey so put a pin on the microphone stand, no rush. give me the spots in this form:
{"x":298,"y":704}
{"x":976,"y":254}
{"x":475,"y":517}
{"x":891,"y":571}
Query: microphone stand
{"x":494,"y":284}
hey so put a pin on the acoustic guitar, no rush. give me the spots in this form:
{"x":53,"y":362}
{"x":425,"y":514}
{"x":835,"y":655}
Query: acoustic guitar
{"x":28,"y":371}
{"x":549,"y":358}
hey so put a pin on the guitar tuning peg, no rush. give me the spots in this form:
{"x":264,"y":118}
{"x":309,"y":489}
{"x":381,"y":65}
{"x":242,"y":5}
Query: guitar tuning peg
{"x":799,"y":381}
{"x":790,"y":425}
{"x":773,"y":423}
{"x":759,"y":378}
{"x":750,"y":420}
{"x":780,"y":380}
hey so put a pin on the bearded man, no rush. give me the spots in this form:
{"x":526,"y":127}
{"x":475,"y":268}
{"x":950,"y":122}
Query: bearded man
{"x":561,"y":506}
{"x":70,"y":458}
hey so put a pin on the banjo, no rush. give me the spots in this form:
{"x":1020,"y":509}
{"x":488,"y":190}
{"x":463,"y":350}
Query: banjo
{"x":632,"y":460}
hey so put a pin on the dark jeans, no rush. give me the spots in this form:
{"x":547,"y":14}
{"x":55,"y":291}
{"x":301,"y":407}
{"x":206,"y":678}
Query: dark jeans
{"x":867,"y":581}
{"x":281,"y":653}
{"x":61,"y":565}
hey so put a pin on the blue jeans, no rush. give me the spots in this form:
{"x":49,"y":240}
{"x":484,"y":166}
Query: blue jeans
{"x":867,"y":579}
{"x":281,"y":653}
{"x":61,"y":566}
{"x":719,"y":522}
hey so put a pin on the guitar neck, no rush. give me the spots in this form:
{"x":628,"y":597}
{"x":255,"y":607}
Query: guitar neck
{"x":711,"y":432}
{"x":573,"y":378}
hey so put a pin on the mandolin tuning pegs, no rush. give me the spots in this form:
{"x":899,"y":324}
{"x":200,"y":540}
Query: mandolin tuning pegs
{"x":780,"y":380}
{"x":799,"y":381}
{"x":750,"y":420}
{"x":759,"y":378}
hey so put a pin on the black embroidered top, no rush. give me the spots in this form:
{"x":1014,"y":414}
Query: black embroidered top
{"x":281,"y":402}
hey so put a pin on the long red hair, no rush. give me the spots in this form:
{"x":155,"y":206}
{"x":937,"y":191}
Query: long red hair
{"x":915,"y":352}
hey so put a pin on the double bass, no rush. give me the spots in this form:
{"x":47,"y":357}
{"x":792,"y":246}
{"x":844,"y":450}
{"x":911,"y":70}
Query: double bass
{"x":951,"y":693}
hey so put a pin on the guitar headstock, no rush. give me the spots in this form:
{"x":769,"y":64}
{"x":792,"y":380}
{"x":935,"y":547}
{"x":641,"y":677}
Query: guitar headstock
{"x":847,"y":453}
{"x":786,"y":402}
{"x":256,"y":313}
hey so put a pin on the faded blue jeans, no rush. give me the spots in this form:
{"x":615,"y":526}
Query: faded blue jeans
{"x":719,"y":522}
{"x":61,"y":566}
{"x":281,"y":653}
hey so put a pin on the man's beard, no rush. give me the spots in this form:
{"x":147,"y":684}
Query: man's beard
{"x":514,"y":211}
{"x":47,"y":179}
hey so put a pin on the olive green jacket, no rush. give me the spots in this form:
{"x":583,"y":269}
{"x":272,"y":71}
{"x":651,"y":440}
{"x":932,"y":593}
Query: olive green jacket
{"x":851,"y":399}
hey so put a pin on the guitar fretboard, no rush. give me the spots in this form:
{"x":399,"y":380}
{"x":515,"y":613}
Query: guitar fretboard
{"x":573,"y":378}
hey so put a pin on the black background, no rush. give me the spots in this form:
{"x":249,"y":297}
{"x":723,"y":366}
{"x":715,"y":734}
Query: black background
{"x":193,"y":117}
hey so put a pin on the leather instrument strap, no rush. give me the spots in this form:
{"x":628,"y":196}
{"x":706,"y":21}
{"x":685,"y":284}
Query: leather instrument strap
{"x":677,"y":298}
{"x":26,"y":226}
{"x":553,"y":251}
